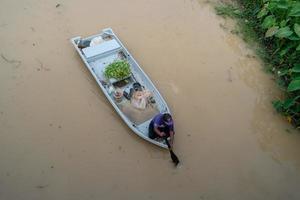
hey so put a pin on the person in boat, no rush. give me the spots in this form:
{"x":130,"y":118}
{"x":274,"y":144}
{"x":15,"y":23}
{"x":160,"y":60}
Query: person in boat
{"x":162,"y":126}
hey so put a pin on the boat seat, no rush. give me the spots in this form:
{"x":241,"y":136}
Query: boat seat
{"x":102,"y":48}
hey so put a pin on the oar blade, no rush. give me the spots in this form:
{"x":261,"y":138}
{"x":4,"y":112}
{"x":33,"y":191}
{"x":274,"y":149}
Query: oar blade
{"x":174,"y":158}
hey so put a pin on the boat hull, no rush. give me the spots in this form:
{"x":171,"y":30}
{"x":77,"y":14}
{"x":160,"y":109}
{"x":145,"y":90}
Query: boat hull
{"x":97,"y":57}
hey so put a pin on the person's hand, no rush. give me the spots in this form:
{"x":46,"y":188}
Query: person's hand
{"x":163,"y":134}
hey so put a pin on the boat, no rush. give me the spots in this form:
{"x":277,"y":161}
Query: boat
{"x":98,"y":52}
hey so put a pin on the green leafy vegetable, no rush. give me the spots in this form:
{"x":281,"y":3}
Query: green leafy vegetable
{"x":119,"y":69}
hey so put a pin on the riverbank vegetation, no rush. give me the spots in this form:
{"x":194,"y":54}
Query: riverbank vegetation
{"x":275,"y":26}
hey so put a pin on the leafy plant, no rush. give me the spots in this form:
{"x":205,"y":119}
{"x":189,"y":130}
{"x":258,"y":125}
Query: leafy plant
{"x":275,"y":25}
{"x":119,"y":69}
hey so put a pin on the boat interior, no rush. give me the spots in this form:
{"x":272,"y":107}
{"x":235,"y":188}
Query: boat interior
{"x":103,"y":49}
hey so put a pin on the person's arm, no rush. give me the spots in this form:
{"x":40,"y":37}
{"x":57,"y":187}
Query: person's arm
{"x":161,"y":134}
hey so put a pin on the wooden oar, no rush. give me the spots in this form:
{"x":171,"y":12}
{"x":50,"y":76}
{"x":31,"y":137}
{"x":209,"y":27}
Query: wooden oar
{"x":173,"y":156}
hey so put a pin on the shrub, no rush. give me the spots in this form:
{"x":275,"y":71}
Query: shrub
{"x":275,"y":25}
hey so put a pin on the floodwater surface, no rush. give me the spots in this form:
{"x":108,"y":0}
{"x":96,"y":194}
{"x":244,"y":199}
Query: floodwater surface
{"x":61,"y":139}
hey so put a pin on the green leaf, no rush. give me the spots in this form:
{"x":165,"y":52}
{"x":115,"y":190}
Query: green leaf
{"x":298,"y":48}
{"x":283,"y":5}
{"x":296,"y":98}
{"x":288,"y":103}
{"x":268,"y":22}
{"x":237,"y":12}
{"x":294,"y":85}
{"x":272,"y":6}
{"x":284,"y":32}
{"x":297,"y":108}
{"x":271,"y":31}
{"x":262,"y":13}
{"x":294,"y":38}
{"x":297,"y":78}
{"x":284,"y":51}
{"x":277,"y":105}
{"x":297,"y":29}
{"x":296,"y":68}
{"x":295,"y":11}
{"x":294,"y":75}
{"x":283,"y":23}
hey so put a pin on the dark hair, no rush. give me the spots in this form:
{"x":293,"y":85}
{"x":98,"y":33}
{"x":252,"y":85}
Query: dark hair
{"x":166,"y":117}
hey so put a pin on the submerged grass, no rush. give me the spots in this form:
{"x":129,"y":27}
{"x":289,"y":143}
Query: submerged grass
{"x":275,"y":26}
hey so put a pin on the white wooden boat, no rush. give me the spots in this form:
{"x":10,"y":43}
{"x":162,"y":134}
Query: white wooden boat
{"x":97,"y":52}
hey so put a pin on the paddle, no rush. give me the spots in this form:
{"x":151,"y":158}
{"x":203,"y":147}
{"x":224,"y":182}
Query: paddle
{"x":173,"y":156}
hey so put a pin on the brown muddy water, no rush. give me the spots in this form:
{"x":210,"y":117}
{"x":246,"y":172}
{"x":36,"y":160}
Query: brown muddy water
{"x":60,"y":138}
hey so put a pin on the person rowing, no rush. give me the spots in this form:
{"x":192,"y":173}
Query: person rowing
{"x":162,"y":126}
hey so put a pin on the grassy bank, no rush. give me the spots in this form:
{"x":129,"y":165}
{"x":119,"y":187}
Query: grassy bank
{"x":275,"y":26}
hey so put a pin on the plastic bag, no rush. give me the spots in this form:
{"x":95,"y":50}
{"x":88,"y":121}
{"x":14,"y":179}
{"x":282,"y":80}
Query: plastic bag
{"x":95,"y":41}
{"x":140,"y":98}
